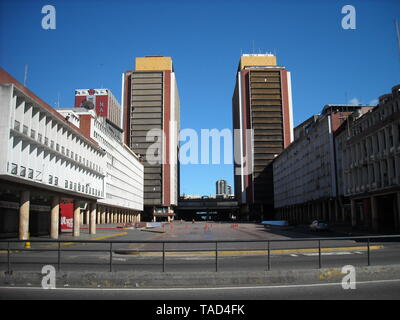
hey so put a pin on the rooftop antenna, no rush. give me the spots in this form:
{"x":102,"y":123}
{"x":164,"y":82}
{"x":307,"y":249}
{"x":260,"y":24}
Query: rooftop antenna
{"x":397,"y":34}
{"x":26,"y":75}
{"x":58,"y":100}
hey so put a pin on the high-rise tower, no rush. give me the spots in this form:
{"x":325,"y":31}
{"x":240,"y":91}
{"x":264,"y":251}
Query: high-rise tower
{"x":151,"y":122}
{"x":263,"y":123}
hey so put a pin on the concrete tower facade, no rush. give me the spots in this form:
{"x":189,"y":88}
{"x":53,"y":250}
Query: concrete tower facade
{"x":263,"y":123}
{"x":151,"y":122}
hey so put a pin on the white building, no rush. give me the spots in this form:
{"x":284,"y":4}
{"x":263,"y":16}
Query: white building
{"x":368,"y":154}
{"x":123,"y":171}
{"x":305,"y":179}
{"x":50,"y":168}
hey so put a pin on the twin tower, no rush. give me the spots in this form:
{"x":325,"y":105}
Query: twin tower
{"x":262,"y":119}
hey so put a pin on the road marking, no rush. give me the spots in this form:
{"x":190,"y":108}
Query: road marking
{"x":109,"y":236}
{"x":208,"y":288}
{"x":65,"y":244}
{"x":326,"y":253}
{"x":211,"y":252}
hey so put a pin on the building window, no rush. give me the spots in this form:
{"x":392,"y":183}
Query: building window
{"x":56,"y":181}
{"x":14,"y":168}
{"x":38,"y":175}
{"x":70,"y":185}
{"x":33,"y":134}
{"x":66,"y":184}
{"x":30,"y":173}
{"x":25,"y":130}
{"x":22,"y":172}
{"x":52,"y":144}
{"x":46,"y":141}
{"x":57,"y":147}
{"x":50,"y":179}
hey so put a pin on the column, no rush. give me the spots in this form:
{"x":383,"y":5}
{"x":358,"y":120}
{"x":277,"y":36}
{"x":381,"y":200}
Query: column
{"x":54,"y":218}
{"x":398,"y":211}
{"x":323,"y":210}
{"x":387,"y":139}
{"x":98,"y":215}
{"x":108,"y":215}
{"x":87,"y":215}
{"x":24,"y":215}
{"x":374,"y":214}
{"x":77,"y":218}
{"x":395,"y":133}
{"x":92,"y":226}
{"x":353,"y":213}
{"x":103,"y":215}
{"x":113,"y":216}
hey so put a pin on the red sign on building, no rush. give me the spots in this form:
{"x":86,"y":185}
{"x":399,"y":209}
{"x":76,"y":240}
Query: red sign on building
{"x":66,"y":215}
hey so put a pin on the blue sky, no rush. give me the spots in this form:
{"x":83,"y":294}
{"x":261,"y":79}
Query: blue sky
{"x":95,"y":41}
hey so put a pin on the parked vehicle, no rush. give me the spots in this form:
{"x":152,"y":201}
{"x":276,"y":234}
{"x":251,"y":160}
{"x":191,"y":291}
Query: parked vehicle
{"x":317,"y":225}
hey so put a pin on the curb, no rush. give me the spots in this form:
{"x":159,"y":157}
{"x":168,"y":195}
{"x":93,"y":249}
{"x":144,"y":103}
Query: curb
{"x":198,"y":279}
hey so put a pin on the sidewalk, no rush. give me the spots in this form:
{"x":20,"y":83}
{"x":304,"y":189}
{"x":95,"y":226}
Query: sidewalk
{"x":106,"y":231}
{"x":122,"y":279}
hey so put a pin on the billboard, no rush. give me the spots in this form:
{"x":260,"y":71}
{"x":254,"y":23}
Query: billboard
{"x":99,"y":97}
{"x":66,"y":215}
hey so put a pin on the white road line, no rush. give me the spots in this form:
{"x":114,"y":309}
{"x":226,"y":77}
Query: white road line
{"x":326,"y":253}
{"x":211,"y":288}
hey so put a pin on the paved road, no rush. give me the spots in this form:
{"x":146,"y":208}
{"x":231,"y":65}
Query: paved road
{"x":334,"y":253}
{"x":385,"y":289}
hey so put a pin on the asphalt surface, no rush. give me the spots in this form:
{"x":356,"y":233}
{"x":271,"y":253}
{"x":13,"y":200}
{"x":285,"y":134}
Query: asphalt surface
{"x":180,"y":257}
{"x":372,"y":290}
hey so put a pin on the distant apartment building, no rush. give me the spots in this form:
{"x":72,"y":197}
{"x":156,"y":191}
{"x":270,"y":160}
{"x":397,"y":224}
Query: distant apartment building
{"x":229,"y":190}
{"x":151,"y":123}
{"x":368,"y":146}
{"x":103,"y":102}
{"x":263,"y":121}
{"x":221,"y":187}
{"x":305,"y":173}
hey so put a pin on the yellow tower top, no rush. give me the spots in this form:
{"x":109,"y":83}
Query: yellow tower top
{"x":153,"y":63}
{"x":257,"y":60}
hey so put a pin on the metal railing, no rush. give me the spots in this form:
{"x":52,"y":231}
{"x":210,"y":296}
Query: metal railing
{"x":164,"y":251}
